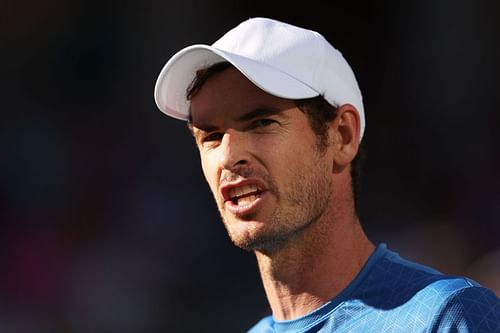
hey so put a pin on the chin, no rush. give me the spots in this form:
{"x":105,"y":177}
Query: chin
{"x":244,"y":234}
{"x":260,"y":242}
{"x":251,"y":233}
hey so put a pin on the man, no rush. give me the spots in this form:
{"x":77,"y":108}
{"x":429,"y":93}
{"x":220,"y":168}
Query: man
{"x":278,"y":118}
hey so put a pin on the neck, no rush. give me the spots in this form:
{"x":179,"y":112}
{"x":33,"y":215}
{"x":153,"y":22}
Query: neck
{"x":317,"y":265}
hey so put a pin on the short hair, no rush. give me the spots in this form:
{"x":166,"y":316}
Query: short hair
{"x":318,"y":111}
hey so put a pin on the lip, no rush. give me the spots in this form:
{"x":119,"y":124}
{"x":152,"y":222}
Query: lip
{"x":240,"y":210}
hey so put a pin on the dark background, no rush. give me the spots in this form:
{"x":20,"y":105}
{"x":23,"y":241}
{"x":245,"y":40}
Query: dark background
{"x":106,"y":222}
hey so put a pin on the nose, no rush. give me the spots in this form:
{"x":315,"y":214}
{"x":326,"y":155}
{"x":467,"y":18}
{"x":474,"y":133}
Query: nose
{"x":233,"y":150}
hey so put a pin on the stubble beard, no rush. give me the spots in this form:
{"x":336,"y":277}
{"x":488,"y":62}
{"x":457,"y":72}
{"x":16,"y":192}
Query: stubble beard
{"x":296,"y":211}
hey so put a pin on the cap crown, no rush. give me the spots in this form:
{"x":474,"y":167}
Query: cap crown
{"x":281,"y":59}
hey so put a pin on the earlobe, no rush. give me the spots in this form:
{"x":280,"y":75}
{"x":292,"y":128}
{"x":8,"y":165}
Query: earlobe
{"x":345,"y":136}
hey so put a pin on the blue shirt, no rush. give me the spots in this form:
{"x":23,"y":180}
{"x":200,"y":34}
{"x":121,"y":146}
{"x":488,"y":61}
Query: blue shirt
{"x":391,"y":294}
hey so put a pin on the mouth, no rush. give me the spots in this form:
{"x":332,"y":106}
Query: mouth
{"x":244,"y":197}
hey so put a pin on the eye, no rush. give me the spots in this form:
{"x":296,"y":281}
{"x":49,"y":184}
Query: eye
{"x":262,"y":122}
{"x":215,"y":136}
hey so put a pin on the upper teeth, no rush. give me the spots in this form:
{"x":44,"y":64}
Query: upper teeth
{"x":242,"y":190}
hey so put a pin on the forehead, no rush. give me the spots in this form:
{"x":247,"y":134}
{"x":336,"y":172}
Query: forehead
{"x":229,"y":94}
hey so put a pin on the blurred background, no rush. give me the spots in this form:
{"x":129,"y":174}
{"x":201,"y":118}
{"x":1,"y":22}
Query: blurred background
{"x":107,"y":224}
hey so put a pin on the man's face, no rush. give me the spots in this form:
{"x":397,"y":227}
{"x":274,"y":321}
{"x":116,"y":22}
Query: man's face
{"x":261,"y":160}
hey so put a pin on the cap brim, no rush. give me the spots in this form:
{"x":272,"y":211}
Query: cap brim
{"x":178,"y":73}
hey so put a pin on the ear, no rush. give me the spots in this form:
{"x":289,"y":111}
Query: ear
{"x":344,"y":135}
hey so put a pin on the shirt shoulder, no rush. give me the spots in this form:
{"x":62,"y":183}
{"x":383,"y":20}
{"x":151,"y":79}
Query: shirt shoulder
{"x":401,"y":293}
{"x":469,"y":309}
{"x":392,"y":281}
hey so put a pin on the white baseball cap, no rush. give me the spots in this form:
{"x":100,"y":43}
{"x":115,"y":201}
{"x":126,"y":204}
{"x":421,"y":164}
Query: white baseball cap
{"x":282,"y":59}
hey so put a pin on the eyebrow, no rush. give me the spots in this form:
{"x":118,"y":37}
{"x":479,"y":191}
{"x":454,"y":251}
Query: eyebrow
{"x":197,"y":131}
{"x":259,"y":112}
{"x":252,"y":114}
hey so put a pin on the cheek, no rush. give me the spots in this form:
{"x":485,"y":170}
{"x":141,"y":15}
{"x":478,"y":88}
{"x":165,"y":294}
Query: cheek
{"x":210,"y":170}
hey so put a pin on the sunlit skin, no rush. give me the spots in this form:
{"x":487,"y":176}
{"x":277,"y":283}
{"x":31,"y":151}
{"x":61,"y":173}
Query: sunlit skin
{"x":253,"y":138}
{"x":278,"y":193}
